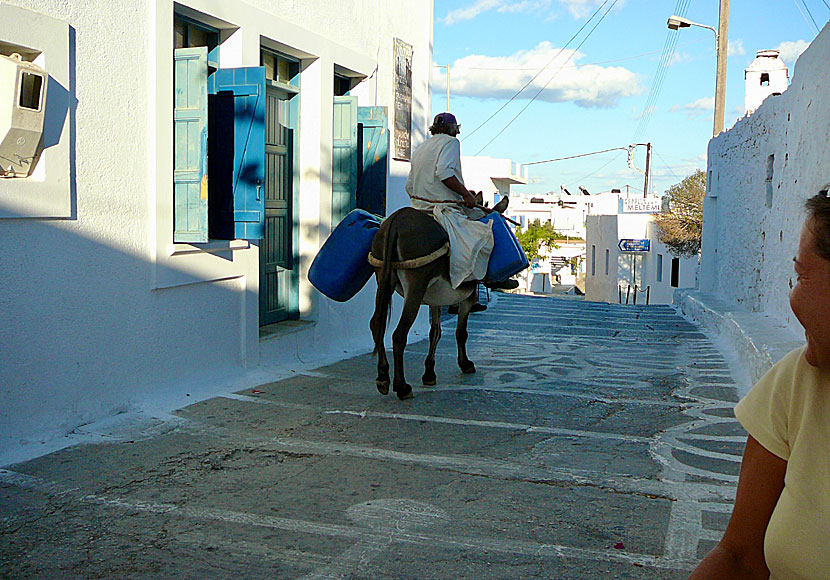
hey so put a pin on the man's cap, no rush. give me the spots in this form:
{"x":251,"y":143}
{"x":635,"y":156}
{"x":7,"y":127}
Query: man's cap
{"x":445,"y":119}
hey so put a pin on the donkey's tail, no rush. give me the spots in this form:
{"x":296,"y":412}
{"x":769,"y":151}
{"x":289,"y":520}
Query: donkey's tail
{"x":383,"y":298}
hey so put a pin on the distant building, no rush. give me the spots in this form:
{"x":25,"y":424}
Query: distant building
{"x":624,"y":257}
{"x":492,"y":177}
{"x":766,"y":75}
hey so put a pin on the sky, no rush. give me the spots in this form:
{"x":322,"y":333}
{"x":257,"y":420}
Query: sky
{"x":602,"y":74}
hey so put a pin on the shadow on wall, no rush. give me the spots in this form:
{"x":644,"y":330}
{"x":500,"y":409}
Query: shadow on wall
{"x":90,"y":335}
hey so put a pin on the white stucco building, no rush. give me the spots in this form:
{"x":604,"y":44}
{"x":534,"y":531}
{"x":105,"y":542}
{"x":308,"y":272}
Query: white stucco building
{"x":760,"y":172}
{"x":493,"y":177}
{"x":623,"y":254}
{"x":138,"y":268}
{"x":766,"y":75}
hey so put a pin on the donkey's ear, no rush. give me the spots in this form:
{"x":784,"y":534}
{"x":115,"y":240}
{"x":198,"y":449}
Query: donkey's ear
{"x":501,"y":205}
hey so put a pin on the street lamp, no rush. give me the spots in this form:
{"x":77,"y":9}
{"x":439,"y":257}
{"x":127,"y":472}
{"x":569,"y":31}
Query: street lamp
{"x":678,"y":22}
{"x":446,"y":66}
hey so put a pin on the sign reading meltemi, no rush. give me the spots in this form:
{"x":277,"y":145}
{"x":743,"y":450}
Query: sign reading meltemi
{"x":627,"y":245}
{"x":642,"y":205}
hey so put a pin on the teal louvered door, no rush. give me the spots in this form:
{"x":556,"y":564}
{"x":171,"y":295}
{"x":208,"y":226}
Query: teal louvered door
{"x":190,"y":118}
{"x":244,"y":91}
{"x":344,"y":163}
{"x":374,"y":144}
{"x":279,"y":280}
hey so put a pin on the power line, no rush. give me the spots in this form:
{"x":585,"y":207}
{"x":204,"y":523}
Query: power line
{"x":487,"y":120}
{"x":659,"y":76}
{"x":667,"y":166}
{"x":804,"y":16}
{"x":600,"y":168}
{"x":577,"y":156}
{"x":461,"y":67}
{"x":807,"y":8}
{"x":539,"y":92}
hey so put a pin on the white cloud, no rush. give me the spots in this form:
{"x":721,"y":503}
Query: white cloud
{"x":696,"y":108}
{"x":735,"y":48}
{"x":580,"y":8}
{"x":470,"y":12}
{"x":679,"y":58}
{"x":583,"y":8}
{"x":501,"y":77}
{"x":577,"y":8}
{"x":790,"y":51}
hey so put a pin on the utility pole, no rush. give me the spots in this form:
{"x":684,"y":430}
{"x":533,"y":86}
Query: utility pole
{"x":446,"y":66}
{"x":720,"y":79}
{"x":648,"y":169}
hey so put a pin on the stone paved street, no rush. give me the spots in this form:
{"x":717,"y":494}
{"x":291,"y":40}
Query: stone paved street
{"x":595,"y":441}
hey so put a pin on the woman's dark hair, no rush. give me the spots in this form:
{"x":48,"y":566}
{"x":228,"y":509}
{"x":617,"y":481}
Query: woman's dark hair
{"x":818,"y":215}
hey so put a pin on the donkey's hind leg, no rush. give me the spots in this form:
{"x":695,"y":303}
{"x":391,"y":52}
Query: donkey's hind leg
{"x":465,"y":364}
{"x":429,"y":378}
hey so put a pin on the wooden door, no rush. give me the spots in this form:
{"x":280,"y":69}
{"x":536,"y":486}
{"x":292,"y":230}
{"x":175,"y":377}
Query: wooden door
{"x":279,"y":282}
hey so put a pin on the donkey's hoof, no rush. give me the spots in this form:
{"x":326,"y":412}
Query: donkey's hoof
{"x":383,"y":387}
{"x":467,"y":367}
{"x":404,"y":392}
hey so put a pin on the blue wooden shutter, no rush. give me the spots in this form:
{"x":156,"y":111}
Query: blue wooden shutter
{"x":344,"y":164}
{"x":190,"y":207}
{"x":374,"y":140}
{"x":247,"y":85}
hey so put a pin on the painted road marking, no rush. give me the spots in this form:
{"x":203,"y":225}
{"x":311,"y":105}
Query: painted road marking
{"x":369,"y":539}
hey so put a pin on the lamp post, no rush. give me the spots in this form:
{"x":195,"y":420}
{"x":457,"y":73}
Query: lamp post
{"x":446,"y":66}
{"x":677,"y":22}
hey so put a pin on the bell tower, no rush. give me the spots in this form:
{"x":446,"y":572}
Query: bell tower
{"x":766,"y":75}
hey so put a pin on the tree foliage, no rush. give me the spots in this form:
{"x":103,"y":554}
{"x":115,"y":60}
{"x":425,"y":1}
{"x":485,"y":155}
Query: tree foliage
{"x":536,"y":237}
{"x":680,"y":227}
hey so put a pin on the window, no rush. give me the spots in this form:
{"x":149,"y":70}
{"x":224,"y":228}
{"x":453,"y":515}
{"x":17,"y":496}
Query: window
{"x":764,"y":79}
{"x":342,"y":85}
{"x":219,"y":141}
{"x":279,"y":68}
{"x":188,"y":34}
{"x":607,"y":259}
{"x":593,"y":260}
{"x":659,"y":267}
{"x":675,"y":272}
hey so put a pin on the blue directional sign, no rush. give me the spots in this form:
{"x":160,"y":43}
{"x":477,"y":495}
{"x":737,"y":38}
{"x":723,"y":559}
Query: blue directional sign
{"x":627,"y":245}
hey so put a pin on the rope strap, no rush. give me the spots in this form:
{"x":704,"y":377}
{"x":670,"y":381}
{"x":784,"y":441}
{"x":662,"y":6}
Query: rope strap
{"x":455,"y":201}
{"x":415,"y":262}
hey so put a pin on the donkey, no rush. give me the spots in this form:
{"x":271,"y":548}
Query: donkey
{"x":410,"y":253}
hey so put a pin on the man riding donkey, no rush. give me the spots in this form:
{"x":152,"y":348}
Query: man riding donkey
{"x":435,"y":185}
{"x":437,"y":262}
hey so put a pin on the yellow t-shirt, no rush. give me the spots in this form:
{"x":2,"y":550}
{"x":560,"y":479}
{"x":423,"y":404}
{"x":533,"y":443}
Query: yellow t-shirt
{"x":788,"y":412}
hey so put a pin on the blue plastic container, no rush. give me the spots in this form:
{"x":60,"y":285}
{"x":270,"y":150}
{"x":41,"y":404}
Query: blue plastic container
{"x":341,"y":267}
{"x":508,"y":258}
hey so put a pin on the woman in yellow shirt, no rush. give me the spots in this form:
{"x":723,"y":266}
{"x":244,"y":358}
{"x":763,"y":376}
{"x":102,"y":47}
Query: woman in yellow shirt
{"x":780,"y":525}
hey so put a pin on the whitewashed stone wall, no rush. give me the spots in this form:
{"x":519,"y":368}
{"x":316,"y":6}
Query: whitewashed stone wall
{"x":760,"y":172}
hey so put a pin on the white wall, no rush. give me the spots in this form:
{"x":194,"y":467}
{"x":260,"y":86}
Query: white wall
{"x":630,"y":268}
{"x":100,"y":310}
{"x":492,"y":176}
{"x":752,"y":218}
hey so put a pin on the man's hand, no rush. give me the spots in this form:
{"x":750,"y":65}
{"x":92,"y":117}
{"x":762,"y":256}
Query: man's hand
{"x":455,"y":185}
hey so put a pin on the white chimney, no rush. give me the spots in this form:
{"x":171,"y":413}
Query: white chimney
{"x":767,"y":75}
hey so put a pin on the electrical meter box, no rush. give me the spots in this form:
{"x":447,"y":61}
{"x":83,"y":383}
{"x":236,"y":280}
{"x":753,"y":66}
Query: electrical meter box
{"x":22,"y":108}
